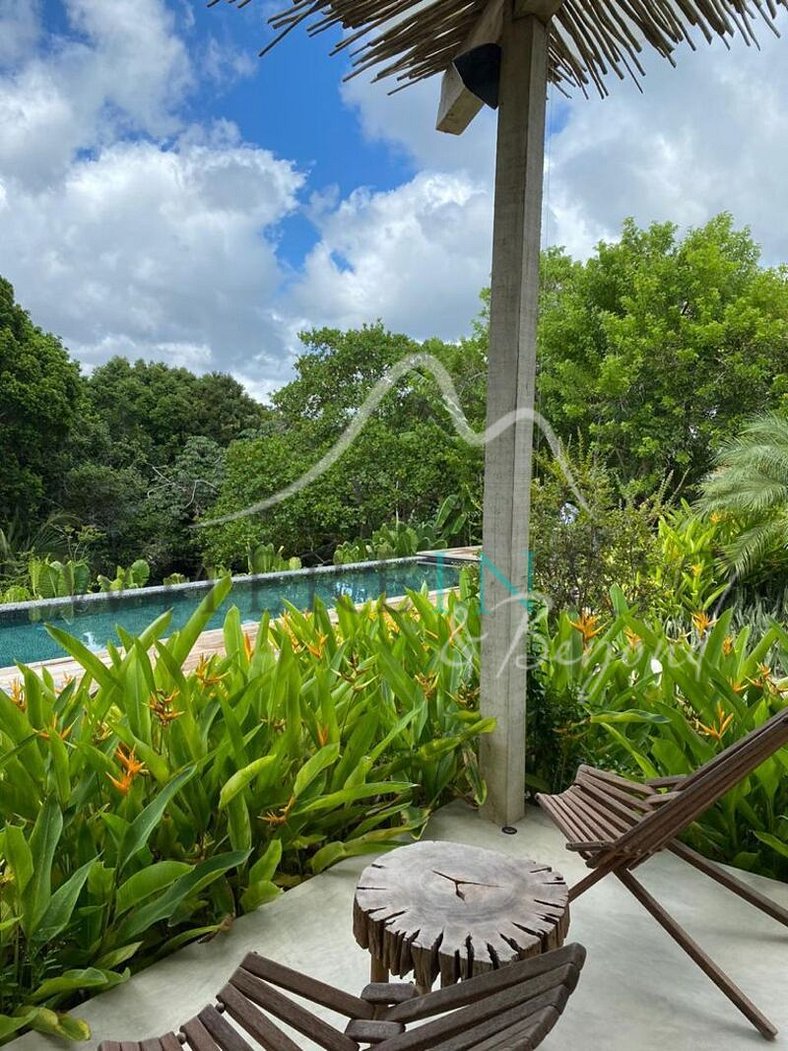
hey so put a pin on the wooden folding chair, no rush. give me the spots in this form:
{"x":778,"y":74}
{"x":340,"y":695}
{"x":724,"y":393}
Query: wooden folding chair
{"x":513,"y":1007}
{"x":616,"y":824}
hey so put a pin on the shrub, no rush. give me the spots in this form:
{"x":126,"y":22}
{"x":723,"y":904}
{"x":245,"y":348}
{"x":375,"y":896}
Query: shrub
{"x":145,"y":805}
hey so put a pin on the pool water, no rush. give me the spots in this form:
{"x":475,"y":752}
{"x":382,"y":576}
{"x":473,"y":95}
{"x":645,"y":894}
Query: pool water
{"x":23,"y":636}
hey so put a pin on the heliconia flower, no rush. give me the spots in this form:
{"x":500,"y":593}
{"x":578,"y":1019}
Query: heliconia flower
{"x":248,"y":646}
{"x":727,"y":645}
{"x":723,"y":722}
{"x":18,"y":694}
{"x":702,"y":622}
{"x":587,"y":624}
{"x":128,"y":760}
{"x":123,"y":784}
{"x":162,"y":706}
{"x":632,"y":637}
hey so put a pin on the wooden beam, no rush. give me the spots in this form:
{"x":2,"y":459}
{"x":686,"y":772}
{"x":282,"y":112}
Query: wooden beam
{"x":510,"y":390}
{"x":458,"y":106}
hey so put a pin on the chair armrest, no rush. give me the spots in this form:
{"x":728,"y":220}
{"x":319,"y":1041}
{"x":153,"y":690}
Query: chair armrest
{"x":666,"y":782}
{"x":591,"y":845}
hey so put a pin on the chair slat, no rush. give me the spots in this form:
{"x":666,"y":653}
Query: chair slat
{"x":197,"y":1036}
{"x":270,"y":999}
{"x":524,"y":975}
{"x":302,"y":985}
{"x":226,"y":1037}
{"x":258,"y":1025}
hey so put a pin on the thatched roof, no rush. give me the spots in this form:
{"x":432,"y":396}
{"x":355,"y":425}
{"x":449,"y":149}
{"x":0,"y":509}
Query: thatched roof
{"x":414,"y":39}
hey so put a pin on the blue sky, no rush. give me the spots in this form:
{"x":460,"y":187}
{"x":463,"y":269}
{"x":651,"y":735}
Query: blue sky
{"x":165,"y":194}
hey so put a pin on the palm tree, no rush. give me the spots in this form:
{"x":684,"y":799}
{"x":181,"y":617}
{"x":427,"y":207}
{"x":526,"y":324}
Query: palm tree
{"x":749,"y":487}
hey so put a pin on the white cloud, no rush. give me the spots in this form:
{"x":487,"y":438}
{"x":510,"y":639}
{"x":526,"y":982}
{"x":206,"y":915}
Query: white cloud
{"x":19,"y":30}
{"x":156,"y":253}
{"x":128,"y":230}
{"x":412,"y":257}
{"x":708,"y":136}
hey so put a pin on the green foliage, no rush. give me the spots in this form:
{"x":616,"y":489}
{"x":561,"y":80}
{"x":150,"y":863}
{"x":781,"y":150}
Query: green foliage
{"x":660,"y":705}
{"x":145,"y":806}
{"x":579,"y":553}
{"x":41,"y":399}
{"x":657,"y":349}
{"x":686,"y":573}
{"x":402,"y":466}
{"x":263,"y":559}
{"x":175,"y":578}
{"x":401,"y":540}
{"x":136,"y":576}
{"x":749,"y":489}
{"x":54,"y":579}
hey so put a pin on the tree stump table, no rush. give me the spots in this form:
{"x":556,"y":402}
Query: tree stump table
{"x":455,"y":911}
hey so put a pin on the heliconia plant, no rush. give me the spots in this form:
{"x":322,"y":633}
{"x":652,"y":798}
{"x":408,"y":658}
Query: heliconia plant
{"x":659,"y":701}
{"x":150,"y":801}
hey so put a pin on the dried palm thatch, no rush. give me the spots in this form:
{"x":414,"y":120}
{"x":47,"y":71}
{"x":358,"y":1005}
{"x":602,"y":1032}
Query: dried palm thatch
{"x":589,"y":39}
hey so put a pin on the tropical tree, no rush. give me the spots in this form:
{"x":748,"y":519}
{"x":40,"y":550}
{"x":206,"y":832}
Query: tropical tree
{"x":750,"y":488}
{"x":40,"y":403}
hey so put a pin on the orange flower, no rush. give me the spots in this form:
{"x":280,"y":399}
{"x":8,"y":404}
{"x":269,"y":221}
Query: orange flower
{"x":132,"y":768}
{"x":62,"y":734}
{"x":248,"y":646}
{"x":702,"y":622}
{"x":322,"y":735}
{"x":128,"y":760}
{"x":203,"y":672}
{"x":124,"y":784}
{"x":717,"y":731}
{"x":587,"y":624}
{"x":727,"y":645}
{"x":161,"y":704}
{"x":18,"y":694}
{"x":271,"y":818}
{"x":632,"y":637}
{"x":317,"y":650}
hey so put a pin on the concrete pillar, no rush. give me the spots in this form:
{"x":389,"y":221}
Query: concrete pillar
{"x":511,"y":379}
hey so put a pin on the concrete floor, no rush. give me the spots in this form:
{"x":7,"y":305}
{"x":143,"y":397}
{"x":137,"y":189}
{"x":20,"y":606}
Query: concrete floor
{"x":638,"y":991}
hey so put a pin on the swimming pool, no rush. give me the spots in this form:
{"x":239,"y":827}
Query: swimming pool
{"x":93,"y":618}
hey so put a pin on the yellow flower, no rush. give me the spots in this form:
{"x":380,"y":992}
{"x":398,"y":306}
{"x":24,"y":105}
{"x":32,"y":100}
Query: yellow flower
{"x":702,"y":622}
{"x":18,"y":694}
{"x":697,"y":569}
{"x":632,"y":637}
{"x":129,"y":762}
{"x":161,"y":704}
{"x":203,"y":672}
{"x":248,"y":646}
{"x":716,"y":731}
{"x":62,"y":734}
{"x":727,"y":645}
{"x":587,"y":624}
{"x":132,"y":768}
{"x":272,"y":818}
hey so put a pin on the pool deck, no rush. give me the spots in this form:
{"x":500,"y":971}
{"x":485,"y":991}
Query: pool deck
{"x":638,"y":990}
{"x":209,"y":644}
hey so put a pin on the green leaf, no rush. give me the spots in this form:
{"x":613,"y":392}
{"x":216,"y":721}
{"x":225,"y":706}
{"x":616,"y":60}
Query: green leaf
{"x":350,"y":795}
{"x":241,"y":778}
{"x":62,"y":904}
{"x":260,"y":893}
{"x":92,"y":664}
{"x":313,"y":767}
{"x":190,"y":884}
{"x":43,"y":843}
{"x":265,"y":866}
{"x":139,"y":831}
{"x":774,"y":842}
{"x":19,"y":857}
{"x":151,"y":880}
{"x":76,"y":981}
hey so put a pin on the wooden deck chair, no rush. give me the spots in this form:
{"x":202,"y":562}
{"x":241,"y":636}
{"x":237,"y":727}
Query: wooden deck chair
{"x":513,"y":1007}
{"x":616,"y":824}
